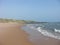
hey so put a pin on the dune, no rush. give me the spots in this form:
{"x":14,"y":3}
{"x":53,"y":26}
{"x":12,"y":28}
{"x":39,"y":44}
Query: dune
{"x":12,"y":34}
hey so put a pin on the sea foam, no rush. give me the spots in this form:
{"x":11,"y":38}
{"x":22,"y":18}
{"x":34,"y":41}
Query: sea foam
{"x":46,"y":33}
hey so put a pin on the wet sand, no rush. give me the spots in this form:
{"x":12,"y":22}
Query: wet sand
{"x":11,"y":34}
{"x":43,"y":40}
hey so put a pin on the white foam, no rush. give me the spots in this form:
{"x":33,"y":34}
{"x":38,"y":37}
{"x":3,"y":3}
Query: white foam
{"x":46,"y":33}
{"x":57,"y":30}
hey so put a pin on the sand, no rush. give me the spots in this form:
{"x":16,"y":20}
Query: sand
{"x":44,"y":40}
{"x":12,"y":34}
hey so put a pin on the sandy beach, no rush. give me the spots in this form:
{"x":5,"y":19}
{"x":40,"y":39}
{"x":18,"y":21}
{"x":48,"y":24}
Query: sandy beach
{"x":12,"y":34}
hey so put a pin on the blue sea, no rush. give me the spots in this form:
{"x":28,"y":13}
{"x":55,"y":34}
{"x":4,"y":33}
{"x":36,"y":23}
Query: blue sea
{"x":46,"y":29}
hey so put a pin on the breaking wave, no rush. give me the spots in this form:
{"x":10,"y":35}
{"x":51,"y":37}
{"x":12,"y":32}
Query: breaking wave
{"x":47,"y":29}
{"x":46,"y":33}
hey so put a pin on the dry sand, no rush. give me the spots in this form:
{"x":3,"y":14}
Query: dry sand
{"x":12,"y":34}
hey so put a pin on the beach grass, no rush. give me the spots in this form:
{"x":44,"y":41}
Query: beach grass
{"x":11,"y":20}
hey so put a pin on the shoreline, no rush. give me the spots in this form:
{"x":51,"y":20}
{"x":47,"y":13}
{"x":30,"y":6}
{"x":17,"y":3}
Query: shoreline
{"x":13,"y":34}
{"x":39,"y":39}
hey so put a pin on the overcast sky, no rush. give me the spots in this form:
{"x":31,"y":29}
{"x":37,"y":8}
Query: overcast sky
{"x":38,"y":10}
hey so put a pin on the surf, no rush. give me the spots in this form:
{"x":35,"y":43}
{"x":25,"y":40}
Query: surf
{"x":56,"y":30}
{"x":46,"y":33}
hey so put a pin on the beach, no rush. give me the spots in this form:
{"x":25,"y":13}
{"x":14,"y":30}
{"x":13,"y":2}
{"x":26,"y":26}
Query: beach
{"x":12,"y":34}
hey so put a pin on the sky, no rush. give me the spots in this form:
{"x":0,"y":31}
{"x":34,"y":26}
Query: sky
{"x":37,"y":10}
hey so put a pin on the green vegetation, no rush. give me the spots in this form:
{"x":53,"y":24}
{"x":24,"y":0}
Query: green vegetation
{"x":14,"y":20}
{"x":19,"y":21}
{"x":10,"y":20}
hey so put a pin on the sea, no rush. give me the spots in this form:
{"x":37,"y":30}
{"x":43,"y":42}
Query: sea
{"x":50,"y":29}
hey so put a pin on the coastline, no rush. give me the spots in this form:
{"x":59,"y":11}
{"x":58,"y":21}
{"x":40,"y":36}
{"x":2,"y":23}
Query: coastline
{"x":13,"y":34}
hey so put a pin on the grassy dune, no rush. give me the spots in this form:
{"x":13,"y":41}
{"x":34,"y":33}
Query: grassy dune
{"x":11,"y":20}
{"x":15,"y":21}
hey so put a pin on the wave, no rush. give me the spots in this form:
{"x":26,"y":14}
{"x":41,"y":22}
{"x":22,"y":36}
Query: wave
{"x":56,"y":30}
{"x":46,"y":33}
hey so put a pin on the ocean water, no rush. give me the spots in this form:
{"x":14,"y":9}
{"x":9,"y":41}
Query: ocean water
{"x":46,"y":29}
